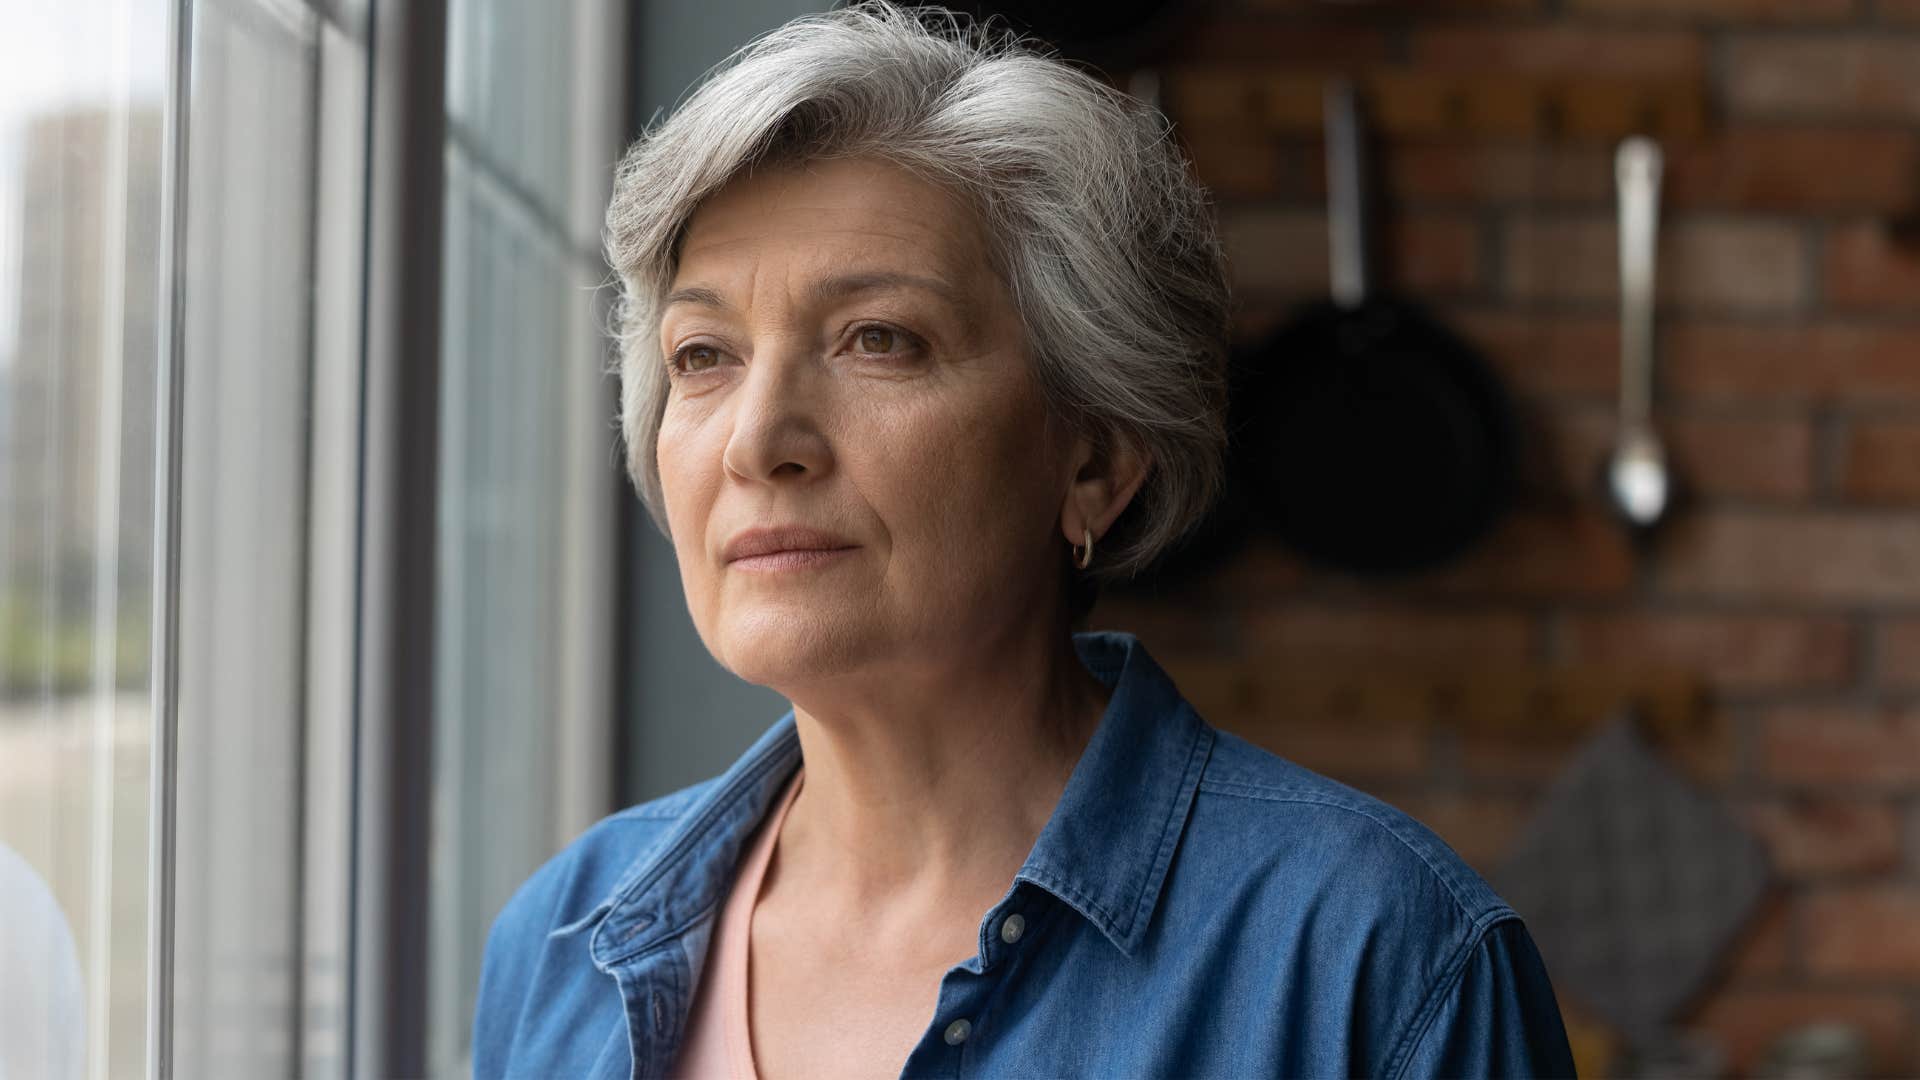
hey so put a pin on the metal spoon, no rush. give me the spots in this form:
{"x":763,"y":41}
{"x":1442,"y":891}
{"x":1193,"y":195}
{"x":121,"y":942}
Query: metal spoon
{"x":1638,"y":481}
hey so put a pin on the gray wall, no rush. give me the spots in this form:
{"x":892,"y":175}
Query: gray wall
{"x":691,"y":717}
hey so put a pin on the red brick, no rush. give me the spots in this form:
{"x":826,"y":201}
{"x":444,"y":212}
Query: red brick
{"x":1869,"y":931}
{"x":1481,"y":827}
{"x":1168,"y":628}
{"x":1547,"y":354}
{"x":1360,"y":752}
{"x":1539,"y":553}
{"x":1503,"y":760}
{"x":1793,"y":168}
{"x":1256,"y":318}
{"x":1748,"y":457}
{"x":1359,"y":755}
{"x":1826,"y":76}
{"x":1560,"y":50}
{"x":1553,"y":258}
{"x":1759,"y":457}
{"x":1731,"y":652}
{"x":1823,"y":363}
{"x":1284,"y":252}
{"x":1746,"y":1021}
{"x":1900,"y":653}
{"x":1240,"y":161}
{"x":1880,"y":461}
{"x":1276,"y":252}
{"x":1549,"y":173}
{"x":1236,"y":162}
{"x":1846,"y":747}
{"x":1746,"y":266}
{"x":1763,"y":945}
{"x":1711,"y":759}
{"x":1867,"y":270}
{"x":1291,"y":46}
{"x":1263,"y":566}
{"x":1811,"y":557}
{"x":1321,"y":7}
{"x":1817,"y":837}
{"x":1725,"y":10}
{"x":1537,"y":758}
{"x":1296,"y":633}
{"x":1434,"y":254}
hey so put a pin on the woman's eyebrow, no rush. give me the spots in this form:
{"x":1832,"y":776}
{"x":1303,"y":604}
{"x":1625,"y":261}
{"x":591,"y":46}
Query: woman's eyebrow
{"x":838,"y":287}
{"x":843,"y":285}
{"x":695,"y":294}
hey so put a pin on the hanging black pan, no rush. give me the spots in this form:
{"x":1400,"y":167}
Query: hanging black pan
{"x":1385,"y":444}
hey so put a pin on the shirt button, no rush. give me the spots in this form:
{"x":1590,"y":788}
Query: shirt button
{"x":958,"y":1031}
{"x":1011,"y":929}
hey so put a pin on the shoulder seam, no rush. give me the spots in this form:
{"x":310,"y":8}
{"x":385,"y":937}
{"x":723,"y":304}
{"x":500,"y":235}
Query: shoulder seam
{"x":1416,"y":1032}
{"x":1262,"y":793}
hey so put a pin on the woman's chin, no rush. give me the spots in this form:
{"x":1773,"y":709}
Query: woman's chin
{"x":778,"y":645}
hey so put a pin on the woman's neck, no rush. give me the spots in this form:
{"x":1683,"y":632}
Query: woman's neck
{"x":931,"y":785}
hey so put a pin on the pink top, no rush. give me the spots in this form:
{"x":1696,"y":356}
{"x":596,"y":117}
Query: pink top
{"x":719,"y":1045}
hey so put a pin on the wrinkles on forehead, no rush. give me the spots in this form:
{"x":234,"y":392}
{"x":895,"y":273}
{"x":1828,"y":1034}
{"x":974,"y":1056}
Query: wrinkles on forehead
{"x":872,"y":230}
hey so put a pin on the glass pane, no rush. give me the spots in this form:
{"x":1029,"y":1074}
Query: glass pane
{"x":81,"y":97}
{"x":508,"y":88}
{"x":496,"y":613}
{"x":332,"y":564}
{"x":526,"y":471}
{"x":241,"y":901}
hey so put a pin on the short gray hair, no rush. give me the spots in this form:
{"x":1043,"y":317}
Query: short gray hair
{"x":1106,"y":243}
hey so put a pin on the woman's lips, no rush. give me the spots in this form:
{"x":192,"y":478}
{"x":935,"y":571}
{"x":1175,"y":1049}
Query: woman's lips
{"x":790,"y":560}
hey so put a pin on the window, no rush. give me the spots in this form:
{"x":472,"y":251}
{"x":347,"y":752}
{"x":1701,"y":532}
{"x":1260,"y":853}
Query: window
{"x":528,"y":473}
{"x":82,"y":114}
{"x":306,"y":526}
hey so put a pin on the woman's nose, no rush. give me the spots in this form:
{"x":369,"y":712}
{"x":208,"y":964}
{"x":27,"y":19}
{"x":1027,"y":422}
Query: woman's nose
{"x":777,"y":427}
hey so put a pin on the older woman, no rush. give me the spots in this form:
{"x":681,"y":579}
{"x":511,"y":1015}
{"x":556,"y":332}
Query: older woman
{"x":922,"y":338}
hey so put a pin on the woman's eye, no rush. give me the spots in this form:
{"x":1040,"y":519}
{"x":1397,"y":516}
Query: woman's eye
{"x":880,"y":339}
{"x":692,"y":358}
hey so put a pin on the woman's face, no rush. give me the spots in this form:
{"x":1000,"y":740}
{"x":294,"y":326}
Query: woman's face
{"x":842,"y":358}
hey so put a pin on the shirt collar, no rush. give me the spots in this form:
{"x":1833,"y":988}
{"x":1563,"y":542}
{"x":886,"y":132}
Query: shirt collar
{"x":1104,"y":852}
{"x":1106,"y":849}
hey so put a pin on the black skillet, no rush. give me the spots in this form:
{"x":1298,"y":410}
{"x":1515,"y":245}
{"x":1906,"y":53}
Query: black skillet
{"x":1384,"y":444}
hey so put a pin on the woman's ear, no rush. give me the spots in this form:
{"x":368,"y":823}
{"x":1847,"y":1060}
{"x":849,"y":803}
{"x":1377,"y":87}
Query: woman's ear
{"x":1105,"y":479}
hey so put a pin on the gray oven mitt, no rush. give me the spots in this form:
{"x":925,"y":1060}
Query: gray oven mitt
{"x":1632,"y":881}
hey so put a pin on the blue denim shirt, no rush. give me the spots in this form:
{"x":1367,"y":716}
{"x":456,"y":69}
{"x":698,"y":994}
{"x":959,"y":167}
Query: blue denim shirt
{"x":1195,"y":906}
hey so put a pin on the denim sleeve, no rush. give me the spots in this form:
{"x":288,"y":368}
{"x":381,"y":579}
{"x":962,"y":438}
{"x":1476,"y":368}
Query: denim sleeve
{"x":1498,"y":1019}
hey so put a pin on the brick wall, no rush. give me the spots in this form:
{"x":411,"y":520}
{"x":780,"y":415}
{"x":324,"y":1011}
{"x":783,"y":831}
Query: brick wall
{"x":1790,"y":396}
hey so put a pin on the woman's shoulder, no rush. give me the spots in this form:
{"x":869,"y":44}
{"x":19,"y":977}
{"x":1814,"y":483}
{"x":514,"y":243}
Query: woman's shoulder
{"x":1284,"y":826}
{"x":1356,"y":895}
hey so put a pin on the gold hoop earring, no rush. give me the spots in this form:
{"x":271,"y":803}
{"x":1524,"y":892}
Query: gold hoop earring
{"x":1083,"y":556}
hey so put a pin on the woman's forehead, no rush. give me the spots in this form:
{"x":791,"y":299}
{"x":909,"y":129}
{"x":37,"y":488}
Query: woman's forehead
{"x":835,"y":225}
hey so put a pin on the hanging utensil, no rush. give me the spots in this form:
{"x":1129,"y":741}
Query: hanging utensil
{"x":1385,"y":443}
{"x":1639,"y":484}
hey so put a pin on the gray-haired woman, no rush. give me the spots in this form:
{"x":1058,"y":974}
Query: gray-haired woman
{"x":922,"y":338}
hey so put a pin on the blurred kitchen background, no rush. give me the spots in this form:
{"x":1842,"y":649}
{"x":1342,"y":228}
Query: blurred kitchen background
{"x":311,"y":507}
